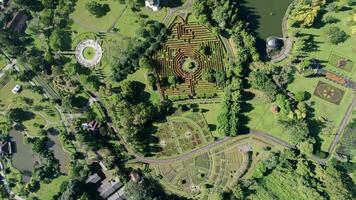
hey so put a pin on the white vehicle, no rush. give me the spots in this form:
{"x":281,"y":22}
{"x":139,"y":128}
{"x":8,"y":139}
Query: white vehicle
{"x":16,"y":89}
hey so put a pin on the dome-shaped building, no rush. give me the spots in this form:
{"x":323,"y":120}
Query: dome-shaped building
{"x":273,"y":43}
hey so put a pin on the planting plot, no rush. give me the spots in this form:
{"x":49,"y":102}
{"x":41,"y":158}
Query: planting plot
{"x":181,"y":133}
{"x":220,"y":167}
{"x":329,"y":93}
{"x":341,"y":62}
{"x":190,"y":49}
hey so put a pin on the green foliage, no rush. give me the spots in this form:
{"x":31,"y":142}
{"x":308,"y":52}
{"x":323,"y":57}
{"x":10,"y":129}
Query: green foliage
{"x":301,"y":96}
{"x":328,"y":19}
{"x":129,"y":59}
{"x":261,"y":80}
{"x":335,"y":35}
{"x":97,"y":9}
{"x":305,"y":12}
{"x":291,"y":176}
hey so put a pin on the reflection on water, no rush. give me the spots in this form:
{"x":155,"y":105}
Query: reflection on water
{"x":23,"y":158}
{"x":268,"y":15}
{"x":59,"y":153}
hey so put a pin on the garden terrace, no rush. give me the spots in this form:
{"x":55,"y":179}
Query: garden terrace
{"x":184,"y":43}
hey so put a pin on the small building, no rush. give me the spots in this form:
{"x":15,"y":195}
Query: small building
{"x":135,"y":176}
{"x":119,"y":195}
{"x":153,"y":4}
{"x":93,"y":179}
{"x":273,"y":43}
{"x":18,"y":22}
{"x":109,"y":187}
{"x":16,"y":89}
{"x":91,"y":126}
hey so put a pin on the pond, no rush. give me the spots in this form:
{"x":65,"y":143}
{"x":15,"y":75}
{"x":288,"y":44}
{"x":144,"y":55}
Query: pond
{"x":266,"y":16}
{"x":23,"y":159}
{"x":59,"y":153}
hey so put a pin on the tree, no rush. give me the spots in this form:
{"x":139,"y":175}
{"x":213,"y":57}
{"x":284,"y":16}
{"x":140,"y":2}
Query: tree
{"x":220,"y":78}
{"x":97,"y":9}
{"x":209,"y":75}
{"x":335,"y":35}
{"x":173,"y":80}
{"x":301,"y":96}
{"x":145,"y":63}
{"x":19,"y":115}
{"x":328,"y":19}
{"x":261,"y":80}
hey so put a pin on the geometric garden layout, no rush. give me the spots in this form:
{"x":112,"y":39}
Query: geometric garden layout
{"x":183,"y":133}
{"x":329,"y":93}
{"x":220,"y":166}
{"x":182,"y":46}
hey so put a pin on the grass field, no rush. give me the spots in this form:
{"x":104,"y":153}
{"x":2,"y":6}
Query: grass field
{"x":211,"y":113}
{"x":47,"y":191}
{"x":130,"y":21}
{"x":324,"y":49}
{"x":84,"y":19}
{"x":35,"y":125}
{"x":333,"y":113}
{"x":261,"y":118}
{"x":140,"y":76}
{"x":7,"y":100}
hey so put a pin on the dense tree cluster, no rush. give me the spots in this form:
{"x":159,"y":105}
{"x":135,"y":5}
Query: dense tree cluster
{"x":150,"y":37}
{"x":97,"y":9}
{"x":305,"y":12}
{"x":223,"y":17}
{"x":335,"y":35}
{"x":134,"y":114}
{"x":301,"y":178}
{"x":147,"y":189}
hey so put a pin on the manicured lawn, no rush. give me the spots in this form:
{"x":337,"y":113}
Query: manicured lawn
{"x":211,"y":113}
{"x":47,"y":191}
{"x":34,"y":125}
{"x":140,"y":76}
{"x":333,"y":113}
{"x":130,"y":21}
{"x":83,"y":18}
{"x":324,"y":49}
{"x":261,"y":118}
{"x":89,"y":53}
{"x":6,"y":98}
{"x":3,"y":62}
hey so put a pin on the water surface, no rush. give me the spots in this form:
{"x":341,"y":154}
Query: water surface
{"x":23,"y":159}
{"x":266,"y":16}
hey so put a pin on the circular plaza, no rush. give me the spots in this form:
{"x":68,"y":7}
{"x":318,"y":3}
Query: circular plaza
{"x":88,"y":53}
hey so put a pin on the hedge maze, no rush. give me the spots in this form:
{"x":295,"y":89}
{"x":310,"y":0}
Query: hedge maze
{"x":190,"y":49}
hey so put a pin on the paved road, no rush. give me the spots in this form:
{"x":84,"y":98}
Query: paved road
{"x":342,"y":125}
{"x":225,"y":140}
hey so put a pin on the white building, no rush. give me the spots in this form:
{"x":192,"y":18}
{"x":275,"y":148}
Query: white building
{"x":153,"y":4}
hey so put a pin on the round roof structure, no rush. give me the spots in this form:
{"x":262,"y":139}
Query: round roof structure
{"x":273,"y":43}
{"x":88,"y":62}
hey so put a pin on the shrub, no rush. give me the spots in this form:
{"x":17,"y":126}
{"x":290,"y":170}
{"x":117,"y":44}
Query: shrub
{"x":328,"y":19}
{"x":335,"y":35}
